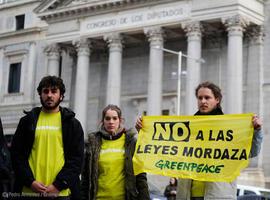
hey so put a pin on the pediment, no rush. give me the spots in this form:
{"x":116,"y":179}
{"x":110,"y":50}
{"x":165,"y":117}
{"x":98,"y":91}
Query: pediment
{"x":52,"y":5}
{"x":57,"y":9}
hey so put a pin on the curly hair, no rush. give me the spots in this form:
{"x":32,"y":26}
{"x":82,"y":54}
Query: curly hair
{"x":53,"y":82}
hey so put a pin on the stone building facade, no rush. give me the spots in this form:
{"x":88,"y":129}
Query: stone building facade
{"x":112,"y":51}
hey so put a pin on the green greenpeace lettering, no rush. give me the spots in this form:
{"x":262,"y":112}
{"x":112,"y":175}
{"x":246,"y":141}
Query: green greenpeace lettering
{"x":185,"y":166}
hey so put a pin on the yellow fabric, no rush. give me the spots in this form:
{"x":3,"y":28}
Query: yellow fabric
{"x":197,"y":189}
{"x":47,"y":155}
{"x":204,"y":148}
{"x":111,"y":180}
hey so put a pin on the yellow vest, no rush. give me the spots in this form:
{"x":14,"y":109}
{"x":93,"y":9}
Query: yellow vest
{"x":111,"y":180}
{"x":47,"y":155}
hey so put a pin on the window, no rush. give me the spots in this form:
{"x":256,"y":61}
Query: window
{"x":14,"y":78}
{"x":165,"y":112}
{"x":19,"y":22}
{"x":247,"y":192}
{"x":60,"y":65}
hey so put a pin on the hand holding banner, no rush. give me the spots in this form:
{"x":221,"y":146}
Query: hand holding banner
{"x":205,"y":148}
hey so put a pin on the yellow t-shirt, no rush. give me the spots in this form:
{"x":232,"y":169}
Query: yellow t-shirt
{"x":111,"y":180}
{"x":47,"y":156}
{"x":197,"y":189}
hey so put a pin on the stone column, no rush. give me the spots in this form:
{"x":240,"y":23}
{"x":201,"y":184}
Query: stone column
{"x":234,"y":90}
{"x":254,"y":100}
{"x":114,"y":68}
{"x":255,"y":79}
{"x":193,"y":77}
{"x":81,"y":82}
{"x":31,"y":70}
{"x":2,"y":74}
{"x":154,"y":96}
{"x":53,"y":54}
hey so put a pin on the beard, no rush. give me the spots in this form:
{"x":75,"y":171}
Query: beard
{"x":50,"y":107}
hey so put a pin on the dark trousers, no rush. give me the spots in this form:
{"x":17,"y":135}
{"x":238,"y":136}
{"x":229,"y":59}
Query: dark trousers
{"x":5,"y":188}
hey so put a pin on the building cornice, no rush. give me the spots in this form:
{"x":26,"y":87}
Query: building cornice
{"x":22,"y":36}
{"x":17,"y":3}
{"x":11,"y":34}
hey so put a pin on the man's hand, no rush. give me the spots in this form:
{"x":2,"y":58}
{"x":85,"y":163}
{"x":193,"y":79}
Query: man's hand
{"x":138,"y":124}
{"x":52,"y":191}
{"x":38,"y":187}
{"x":257,"y":122}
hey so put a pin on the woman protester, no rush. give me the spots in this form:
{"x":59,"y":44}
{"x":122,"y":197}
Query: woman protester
{"x":108,"y":170}
{"x":170,"y":190}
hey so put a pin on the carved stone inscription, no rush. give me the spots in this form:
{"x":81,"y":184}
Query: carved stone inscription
{"x":136,"y":18}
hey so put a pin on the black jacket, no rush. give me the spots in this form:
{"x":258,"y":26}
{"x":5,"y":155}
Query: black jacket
{"x":5,"y":166}
{"x":167,"y":192}
{"x":73,"y":144}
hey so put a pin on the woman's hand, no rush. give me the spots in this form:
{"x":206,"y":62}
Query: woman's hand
{"x":138,"y":124}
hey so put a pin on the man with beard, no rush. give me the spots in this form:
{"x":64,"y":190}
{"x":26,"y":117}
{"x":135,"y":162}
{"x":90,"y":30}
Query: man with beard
{"x":48,"y":146}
